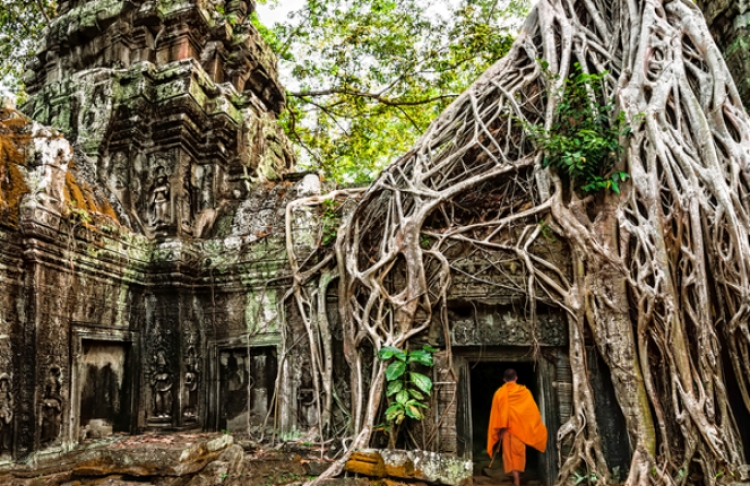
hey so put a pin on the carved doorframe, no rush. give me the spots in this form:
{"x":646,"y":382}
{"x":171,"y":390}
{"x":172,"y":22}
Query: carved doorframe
{"x":91,"y":332}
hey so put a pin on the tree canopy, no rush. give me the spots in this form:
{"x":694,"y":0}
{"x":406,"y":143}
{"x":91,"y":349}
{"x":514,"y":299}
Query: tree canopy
{"x":364,"y":78}
{"x":21,"y":27}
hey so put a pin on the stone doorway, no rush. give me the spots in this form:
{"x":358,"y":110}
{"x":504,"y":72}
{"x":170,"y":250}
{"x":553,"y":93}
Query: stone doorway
{"x":485,"y":378}
{"x":246,"y":384}
{"x":104,"y":388}
{"x":464,"y":405}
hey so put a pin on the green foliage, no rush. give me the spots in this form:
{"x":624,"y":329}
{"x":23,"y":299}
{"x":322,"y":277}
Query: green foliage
{"x":79,"y":215}
{"x":366,"y":77}
{"x":330,"y":222}
{"x":407,"y":391}
{"x":290,"y":435}
{"x":547,"y":232}
{"x":579,"y":478}
{"x":21,"y":26}
{"x":584,"y":140}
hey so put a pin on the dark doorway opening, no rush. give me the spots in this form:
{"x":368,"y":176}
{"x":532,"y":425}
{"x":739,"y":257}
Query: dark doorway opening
{"x":486,"y":377}
{"x":105,"y":388}
{"x":246,"y":386}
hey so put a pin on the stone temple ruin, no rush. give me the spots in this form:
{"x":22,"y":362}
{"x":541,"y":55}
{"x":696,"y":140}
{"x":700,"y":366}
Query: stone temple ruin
{"x":144,"y":270}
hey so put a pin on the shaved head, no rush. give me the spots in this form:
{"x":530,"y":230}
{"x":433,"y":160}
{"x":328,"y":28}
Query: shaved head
{"x":510,"y":375}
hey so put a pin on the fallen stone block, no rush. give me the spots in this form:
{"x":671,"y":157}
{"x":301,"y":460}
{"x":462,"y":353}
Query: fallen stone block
{"x":431,"y":467}
{"x":167,"y":460}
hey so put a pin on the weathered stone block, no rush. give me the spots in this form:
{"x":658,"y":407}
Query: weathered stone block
{"x":415,"y":465}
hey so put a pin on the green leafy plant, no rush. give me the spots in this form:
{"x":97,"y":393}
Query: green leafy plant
{"x":79,"y":215}
{"x":290,"y":435}
{"x":231,"y":18}
{"x":406,"y":391}
{"x":584,"y":140}
{"x":425,"y":242}
{"x":330,"y":222}
{"x":547,"y":232}
{"x":579,"y":478}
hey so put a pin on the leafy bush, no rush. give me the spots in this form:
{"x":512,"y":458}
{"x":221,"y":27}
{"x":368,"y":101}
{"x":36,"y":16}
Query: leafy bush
{"x":330,"y":222}
{"x":407,"y":391}
{"x":584,"y":141}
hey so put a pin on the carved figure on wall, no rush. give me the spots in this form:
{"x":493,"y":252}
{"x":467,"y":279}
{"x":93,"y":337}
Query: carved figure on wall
{"x":159,"y":199}
{"x":161,"y":382}
{"x":235,"y":372}
{"x":51,"y":407}
{"x":191,"y":383}
{"x":94,"y":119}
{"x":6,"y":414}
{"x":186,"y":204}
{"x":119,"y":172}
{"x":206,"y":188}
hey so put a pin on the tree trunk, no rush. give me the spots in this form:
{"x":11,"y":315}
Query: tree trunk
{"x":661,"y":275}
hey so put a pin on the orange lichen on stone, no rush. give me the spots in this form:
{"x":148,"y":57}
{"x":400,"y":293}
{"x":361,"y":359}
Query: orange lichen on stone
{"x":13,"y":138}
{"x":80,"y":197}
{"x":72,"y":193}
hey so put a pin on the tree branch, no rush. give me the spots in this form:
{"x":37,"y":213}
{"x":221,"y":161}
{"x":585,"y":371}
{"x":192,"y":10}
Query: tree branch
{"x":373,"y":96}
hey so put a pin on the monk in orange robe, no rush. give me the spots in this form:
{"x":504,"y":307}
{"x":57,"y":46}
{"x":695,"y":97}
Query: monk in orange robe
{"x":515,"y":422}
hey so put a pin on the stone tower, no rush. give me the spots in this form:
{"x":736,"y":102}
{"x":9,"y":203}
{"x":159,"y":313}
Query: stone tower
{"x":174,"y":104}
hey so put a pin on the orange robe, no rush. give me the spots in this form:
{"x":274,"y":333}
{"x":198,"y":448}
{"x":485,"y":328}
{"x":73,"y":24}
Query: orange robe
{"x":514,"y":411}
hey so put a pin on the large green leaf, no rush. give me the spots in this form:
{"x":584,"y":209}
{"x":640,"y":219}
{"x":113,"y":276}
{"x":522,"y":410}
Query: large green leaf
{"x":394,"y":387}
{"x":421,"y":381}
{"x":421,"y":357}
{"x":402,"y":397}
{"x":388,"y":352}
{"x":395,"y":370}
{"x":414,"y":412}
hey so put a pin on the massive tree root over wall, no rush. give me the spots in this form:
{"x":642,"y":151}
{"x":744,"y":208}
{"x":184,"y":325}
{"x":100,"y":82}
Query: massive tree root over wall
{"x":660,"y":274}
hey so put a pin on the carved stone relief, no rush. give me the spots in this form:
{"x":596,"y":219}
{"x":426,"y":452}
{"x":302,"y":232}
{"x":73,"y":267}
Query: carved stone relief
{"x":186,"y":207}
{"x":119,"y":177}
{"x":95,"y":111}
{"x":192,"y":377}
{"x":204,"y":187}
{"x":51,"y":407}
{"x":6,"y":414}
{"x":306,"y":400}
{"x":162,"y":383}
{"x":159,"y":207}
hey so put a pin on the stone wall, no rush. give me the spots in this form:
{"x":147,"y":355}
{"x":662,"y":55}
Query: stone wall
{"x":87,"y":301}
